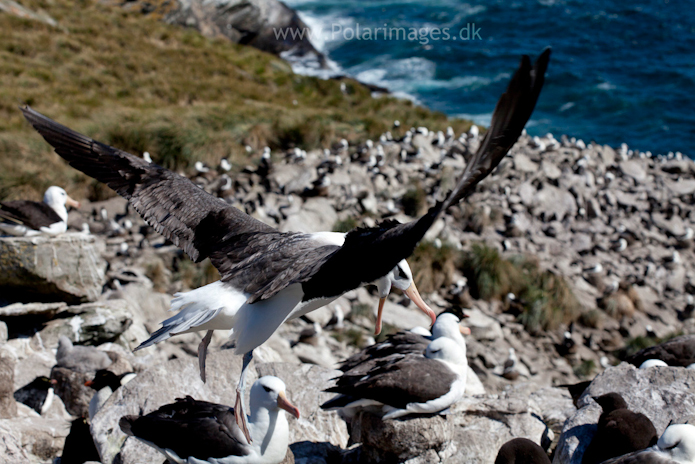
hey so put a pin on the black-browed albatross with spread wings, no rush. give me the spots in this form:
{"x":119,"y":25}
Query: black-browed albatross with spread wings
{"x":270,"y":276}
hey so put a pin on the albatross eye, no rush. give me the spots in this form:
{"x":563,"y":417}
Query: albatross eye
{"x":268,"y":389}
{"x":401,"y":273}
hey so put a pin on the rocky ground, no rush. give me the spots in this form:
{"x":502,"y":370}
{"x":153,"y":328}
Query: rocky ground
{"x":573,"y":254}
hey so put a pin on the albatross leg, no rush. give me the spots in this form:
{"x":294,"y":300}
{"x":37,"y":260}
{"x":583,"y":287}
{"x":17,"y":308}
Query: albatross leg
{"x":239,"y":407}
{"x":202,"y":353}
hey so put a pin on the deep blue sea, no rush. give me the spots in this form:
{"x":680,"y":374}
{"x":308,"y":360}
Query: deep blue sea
{"x":621,"y":71}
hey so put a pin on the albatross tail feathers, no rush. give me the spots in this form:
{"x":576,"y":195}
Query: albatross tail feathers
{"x":195,"y":310}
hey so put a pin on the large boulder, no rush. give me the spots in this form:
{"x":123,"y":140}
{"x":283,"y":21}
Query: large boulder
{"x":663,"y":394}
{"x":484,"y":424}
{"x":89,"y":323}
{"x":66,"y":267}
{"x":8,"y":406}
{"x":268,"y":25}
{"x":400,"y":440}
{"x":32,"y":440}
{"x":472,"y":433}
{"x":164,"y":382}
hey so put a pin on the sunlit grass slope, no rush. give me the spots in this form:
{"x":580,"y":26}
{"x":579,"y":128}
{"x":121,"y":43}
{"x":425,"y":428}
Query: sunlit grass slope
{"x":142,"y":85}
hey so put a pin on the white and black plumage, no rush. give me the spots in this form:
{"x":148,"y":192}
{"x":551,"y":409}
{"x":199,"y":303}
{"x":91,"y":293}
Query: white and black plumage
{"x":521,"y":451}
{"x":270,"y":276}
{"x":78,"y":358}
{"x":191,"y":431}
{"x":399,"y":385}
{"x":23,"y":217}
{"x":675,"y":446}
{"x":652,"y":363}
{"x":37,"y":394}
{"x":679,"y":351}
{"x":619,"y":431}
{"x":407,"y":342}
{"x":510,"y":370}
{"x":104,"y":384}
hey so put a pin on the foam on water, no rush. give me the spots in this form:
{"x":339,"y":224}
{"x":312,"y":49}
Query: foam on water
{"x":620,"y":72}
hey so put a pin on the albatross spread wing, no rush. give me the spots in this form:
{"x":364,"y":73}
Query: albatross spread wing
{"x":375,"y":251}
{"x":184,"y":213}
{"x":250,"y":255}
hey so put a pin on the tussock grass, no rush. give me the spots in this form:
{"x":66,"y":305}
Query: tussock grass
{"x":543,"y":299}
{"x":345,"y":225}
{"x":414,"y":201}
{"x":142,"y":85}
{"x":433,"y":268}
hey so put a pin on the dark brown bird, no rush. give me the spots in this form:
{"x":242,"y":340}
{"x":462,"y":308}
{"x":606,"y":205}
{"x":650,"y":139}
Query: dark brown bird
{"x":620,"y":431}
{"x":521,"y":451}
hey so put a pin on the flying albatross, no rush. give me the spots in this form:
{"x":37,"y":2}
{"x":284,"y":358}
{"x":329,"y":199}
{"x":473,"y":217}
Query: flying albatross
{"x":270,"y":276}
{"x":23,"y":217}
{"x":191,"y":431}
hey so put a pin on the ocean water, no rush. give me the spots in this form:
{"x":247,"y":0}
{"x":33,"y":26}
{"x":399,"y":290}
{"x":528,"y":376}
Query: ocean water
{"x":621,"y":71}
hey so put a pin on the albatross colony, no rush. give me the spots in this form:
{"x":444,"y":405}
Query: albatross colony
{"x":270,"y":276}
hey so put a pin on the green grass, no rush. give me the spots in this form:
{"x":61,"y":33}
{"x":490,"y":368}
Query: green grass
{"x":635,"y":344}
{"x":345,"y":225}
{"x":585,"y":369}
{"x":414,"y":201}
{"x":433,"y":268}
{"x":137,"y":83}
{"x":545,"y":297}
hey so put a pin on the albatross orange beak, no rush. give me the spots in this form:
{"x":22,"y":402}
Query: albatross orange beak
{"x":465,"y":330}
{"x":415,"y":297}
{"x":283,"y":403}
{"x":73,"y":203}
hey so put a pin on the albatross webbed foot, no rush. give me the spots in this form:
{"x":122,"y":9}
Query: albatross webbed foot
{"x":239,"y":408}
{"x":202,"y":353}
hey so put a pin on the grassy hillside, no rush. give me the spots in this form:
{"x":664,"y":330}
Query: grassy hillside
{"x":139,"y":84}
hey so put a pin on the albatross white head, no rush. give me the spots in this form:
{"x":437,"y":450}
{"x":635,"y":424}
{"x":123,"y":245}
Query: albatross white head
{"x":57,"y":198}
{"x":400,"y":277}
{"x":269,"y":393}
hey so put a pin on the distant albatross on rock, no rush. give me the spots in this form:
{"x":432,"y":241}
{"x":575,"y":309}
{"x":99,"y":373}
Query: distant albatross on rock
{"x":191,"y":431}
{"x":23,"y":217}
{"x":269,"y":276}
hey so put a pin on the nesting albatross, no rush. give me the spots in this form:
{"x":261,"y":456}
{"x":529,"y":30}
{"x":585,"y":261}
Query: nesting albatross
{"x":191,"y":431}
{"x":23,"y":217}
{"x":269,"y":276}
{"x":407,"y":342}
{"x":399,"y":385}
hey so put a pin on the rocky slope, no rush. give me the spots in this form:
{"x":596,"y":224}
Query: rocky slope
{"x":594,"y":243}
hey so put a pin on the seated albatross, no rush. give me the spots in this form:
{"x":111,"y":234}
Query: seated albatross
{"x":270,"y":276}
{"x":192,"y":431}
{"x":24,"y":217}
